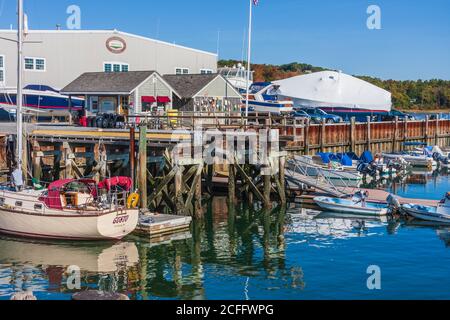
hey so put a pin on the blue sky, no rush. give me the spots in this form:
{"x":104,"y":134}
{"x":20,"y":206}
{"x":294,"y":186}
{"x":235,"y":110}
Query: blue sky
{"x":414,"y":41}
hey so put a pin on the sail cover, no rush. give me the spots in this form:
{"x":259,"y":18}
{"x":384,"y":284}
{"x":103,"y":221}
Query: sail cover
{"x":330,"y":89}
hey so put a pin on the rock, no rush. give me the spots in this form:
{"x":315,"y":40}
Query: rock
{"x":94,"y":295}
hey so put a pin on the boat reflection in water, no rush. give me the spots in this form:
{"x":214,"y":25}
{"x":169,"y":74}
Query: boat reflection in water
{"x":333,"y":225}
{"x":44,"y":266}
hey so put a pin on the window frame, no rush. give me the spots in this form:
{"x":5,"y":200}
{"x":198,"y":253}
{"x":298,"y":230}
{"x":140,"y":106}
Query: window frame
{"x":206,"y":71}
{"x":115,"y":63}
{"x":182,"y":69}
{"x":34,"y":69}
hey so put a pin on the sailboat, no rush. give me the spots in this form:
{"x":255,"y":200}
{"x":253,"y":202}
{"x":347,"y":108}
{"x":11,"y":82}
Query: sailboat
{"x":68,"y":209}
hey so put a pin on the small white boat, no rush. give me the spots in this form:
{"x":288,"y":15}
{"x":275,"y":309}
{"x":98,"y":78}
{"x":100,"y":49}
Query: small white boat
{"x":263,"y":97}
{"x":439,"y":214}
{"x":353,"y":206}
{"x":68,"y":210}
{"x":334,"y":173}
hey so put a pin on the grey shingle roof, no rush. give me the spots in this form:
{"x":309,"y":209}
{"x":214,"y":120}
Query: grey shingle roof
{"x":187,"y":85}
{"x":107,"y":82}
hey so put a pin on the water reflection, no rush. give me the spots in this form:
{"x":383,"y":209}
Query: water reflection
{"x":236,"y":253}
{"x":43,"y":266}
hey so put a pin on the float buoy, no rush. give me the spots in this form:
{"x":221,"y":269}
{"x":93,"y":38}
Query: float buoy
{"x":133,"y":201}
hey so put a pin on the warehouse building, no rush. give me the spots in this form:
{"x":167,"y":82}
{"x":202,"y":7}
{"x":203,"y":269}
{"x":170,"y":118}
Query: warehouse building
{"x":57,"y":57}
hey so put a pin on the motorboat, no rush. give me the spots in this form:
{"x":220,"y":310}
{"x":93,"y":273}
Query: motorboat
{"x":263,"y":97}
{"x":357,"y":205}
{"x":332,"y":172}
{"x":39,"y":100}
{"x":70,"y":210}
{"x":438,"y":214}
{"x":237,"y":76}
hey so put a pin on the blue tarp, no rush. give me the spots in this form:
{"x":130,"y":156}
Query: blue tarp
{"x":367,"y":157}
{"x":346,"y":160}
{"x":343,"y":159}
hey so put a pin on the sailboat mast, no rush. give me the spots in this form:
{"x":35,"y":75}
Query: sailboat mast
{"x":19,"y":97}
{"x":249,"y":55}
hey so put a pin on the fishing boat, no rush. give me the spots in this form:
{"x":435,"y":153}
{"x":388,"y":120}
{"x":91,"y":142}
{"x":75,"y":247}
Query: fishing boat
{"x":69,"y":210}
{"x":353,"y":206}
{"x":263,"y":97}
{"x":439,"y":214}
{"x":39,"y":100}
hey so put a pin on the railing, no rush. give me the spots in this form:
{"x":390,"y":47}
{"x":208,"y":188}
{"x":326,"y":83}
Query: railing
{"x":323,"y":175}
{"x":193,"y":120}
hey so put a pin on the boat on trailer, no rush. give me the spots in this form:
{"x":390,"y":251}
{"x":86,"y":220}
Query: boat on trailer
{"x":68,"y":210}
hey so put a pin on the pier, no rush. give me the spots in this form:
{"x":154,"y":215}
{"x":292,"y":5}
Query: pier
{"x":180,"y":186}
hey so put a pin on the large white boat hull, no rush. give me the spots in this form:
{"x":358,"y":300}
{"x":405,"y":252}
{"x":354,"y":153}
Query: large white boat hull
{"x":113,"y":225}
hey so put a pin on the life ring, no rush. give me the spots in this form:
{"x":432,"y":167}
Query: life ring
{"x":133,"y":201}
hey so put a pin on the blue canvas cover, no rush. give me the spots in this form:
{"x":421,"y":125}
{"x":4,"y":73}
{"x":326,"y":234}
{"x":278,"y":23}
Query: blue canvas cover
{"x":326,"y":157}
{"x":346,"y":161}
{"x":367,"y":157}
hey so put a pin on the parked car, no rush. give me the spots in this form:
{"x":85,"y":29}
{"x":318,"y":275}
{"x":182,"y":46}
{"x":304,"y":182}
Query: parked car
{"x":394,"y":113}
{"x":320,"y":116}
{"x":301,"y":114}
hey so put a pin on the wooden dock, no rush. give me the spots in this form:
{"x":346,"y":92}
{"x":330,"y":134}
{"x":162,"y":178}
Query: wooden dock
{"x":375,"y":195}
{"x":162,"y":225}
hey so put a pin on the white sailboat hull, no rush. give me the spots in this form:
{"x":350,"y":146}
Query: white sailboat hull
{"x":113,"y":225}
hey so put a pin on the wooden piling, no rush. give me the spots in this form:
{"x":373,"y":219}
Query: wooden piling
{"x":283,"y":179}
{"x":267,"y":188}
{"x":353,"y":134}
{"x":179,"y":203}
{"x":133,"y":155}
{"x":323,"y":136}
{"x":369,"y":133}
{"x":306,"y":142}
{"x":143,"y":166}
{"x":395,"y":136}
{"x":231,"y":184}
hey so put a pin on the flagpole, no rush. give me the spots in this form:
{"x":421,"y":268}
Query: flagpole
{"x":19,"y":97}
{"x":249,"y":55}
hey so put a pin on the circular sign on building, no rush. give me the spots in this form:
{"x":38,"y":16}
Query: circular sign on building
{"x":116,"y":45}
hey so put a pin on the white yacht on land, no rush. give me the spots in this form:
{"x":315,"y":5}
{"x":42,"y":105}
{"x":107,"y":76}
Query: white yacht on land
{"x":68,"y":210}
{"x":237,"y":76}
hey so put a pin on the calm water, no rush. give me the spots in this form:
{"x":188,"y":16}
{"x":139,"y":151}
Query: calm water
{"x":249,"y":254}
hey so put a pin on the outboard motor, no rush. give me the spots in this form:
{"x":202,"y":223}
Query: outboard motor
{"x":393,"y":204}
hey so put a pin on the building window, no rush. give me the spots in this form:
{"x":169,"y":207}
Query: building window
{"x":206,"y":71}
{"x":115,"y":67}
{"x":2,"y":69}
{"x":35,"y":64}
{"x":181,"y":71}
